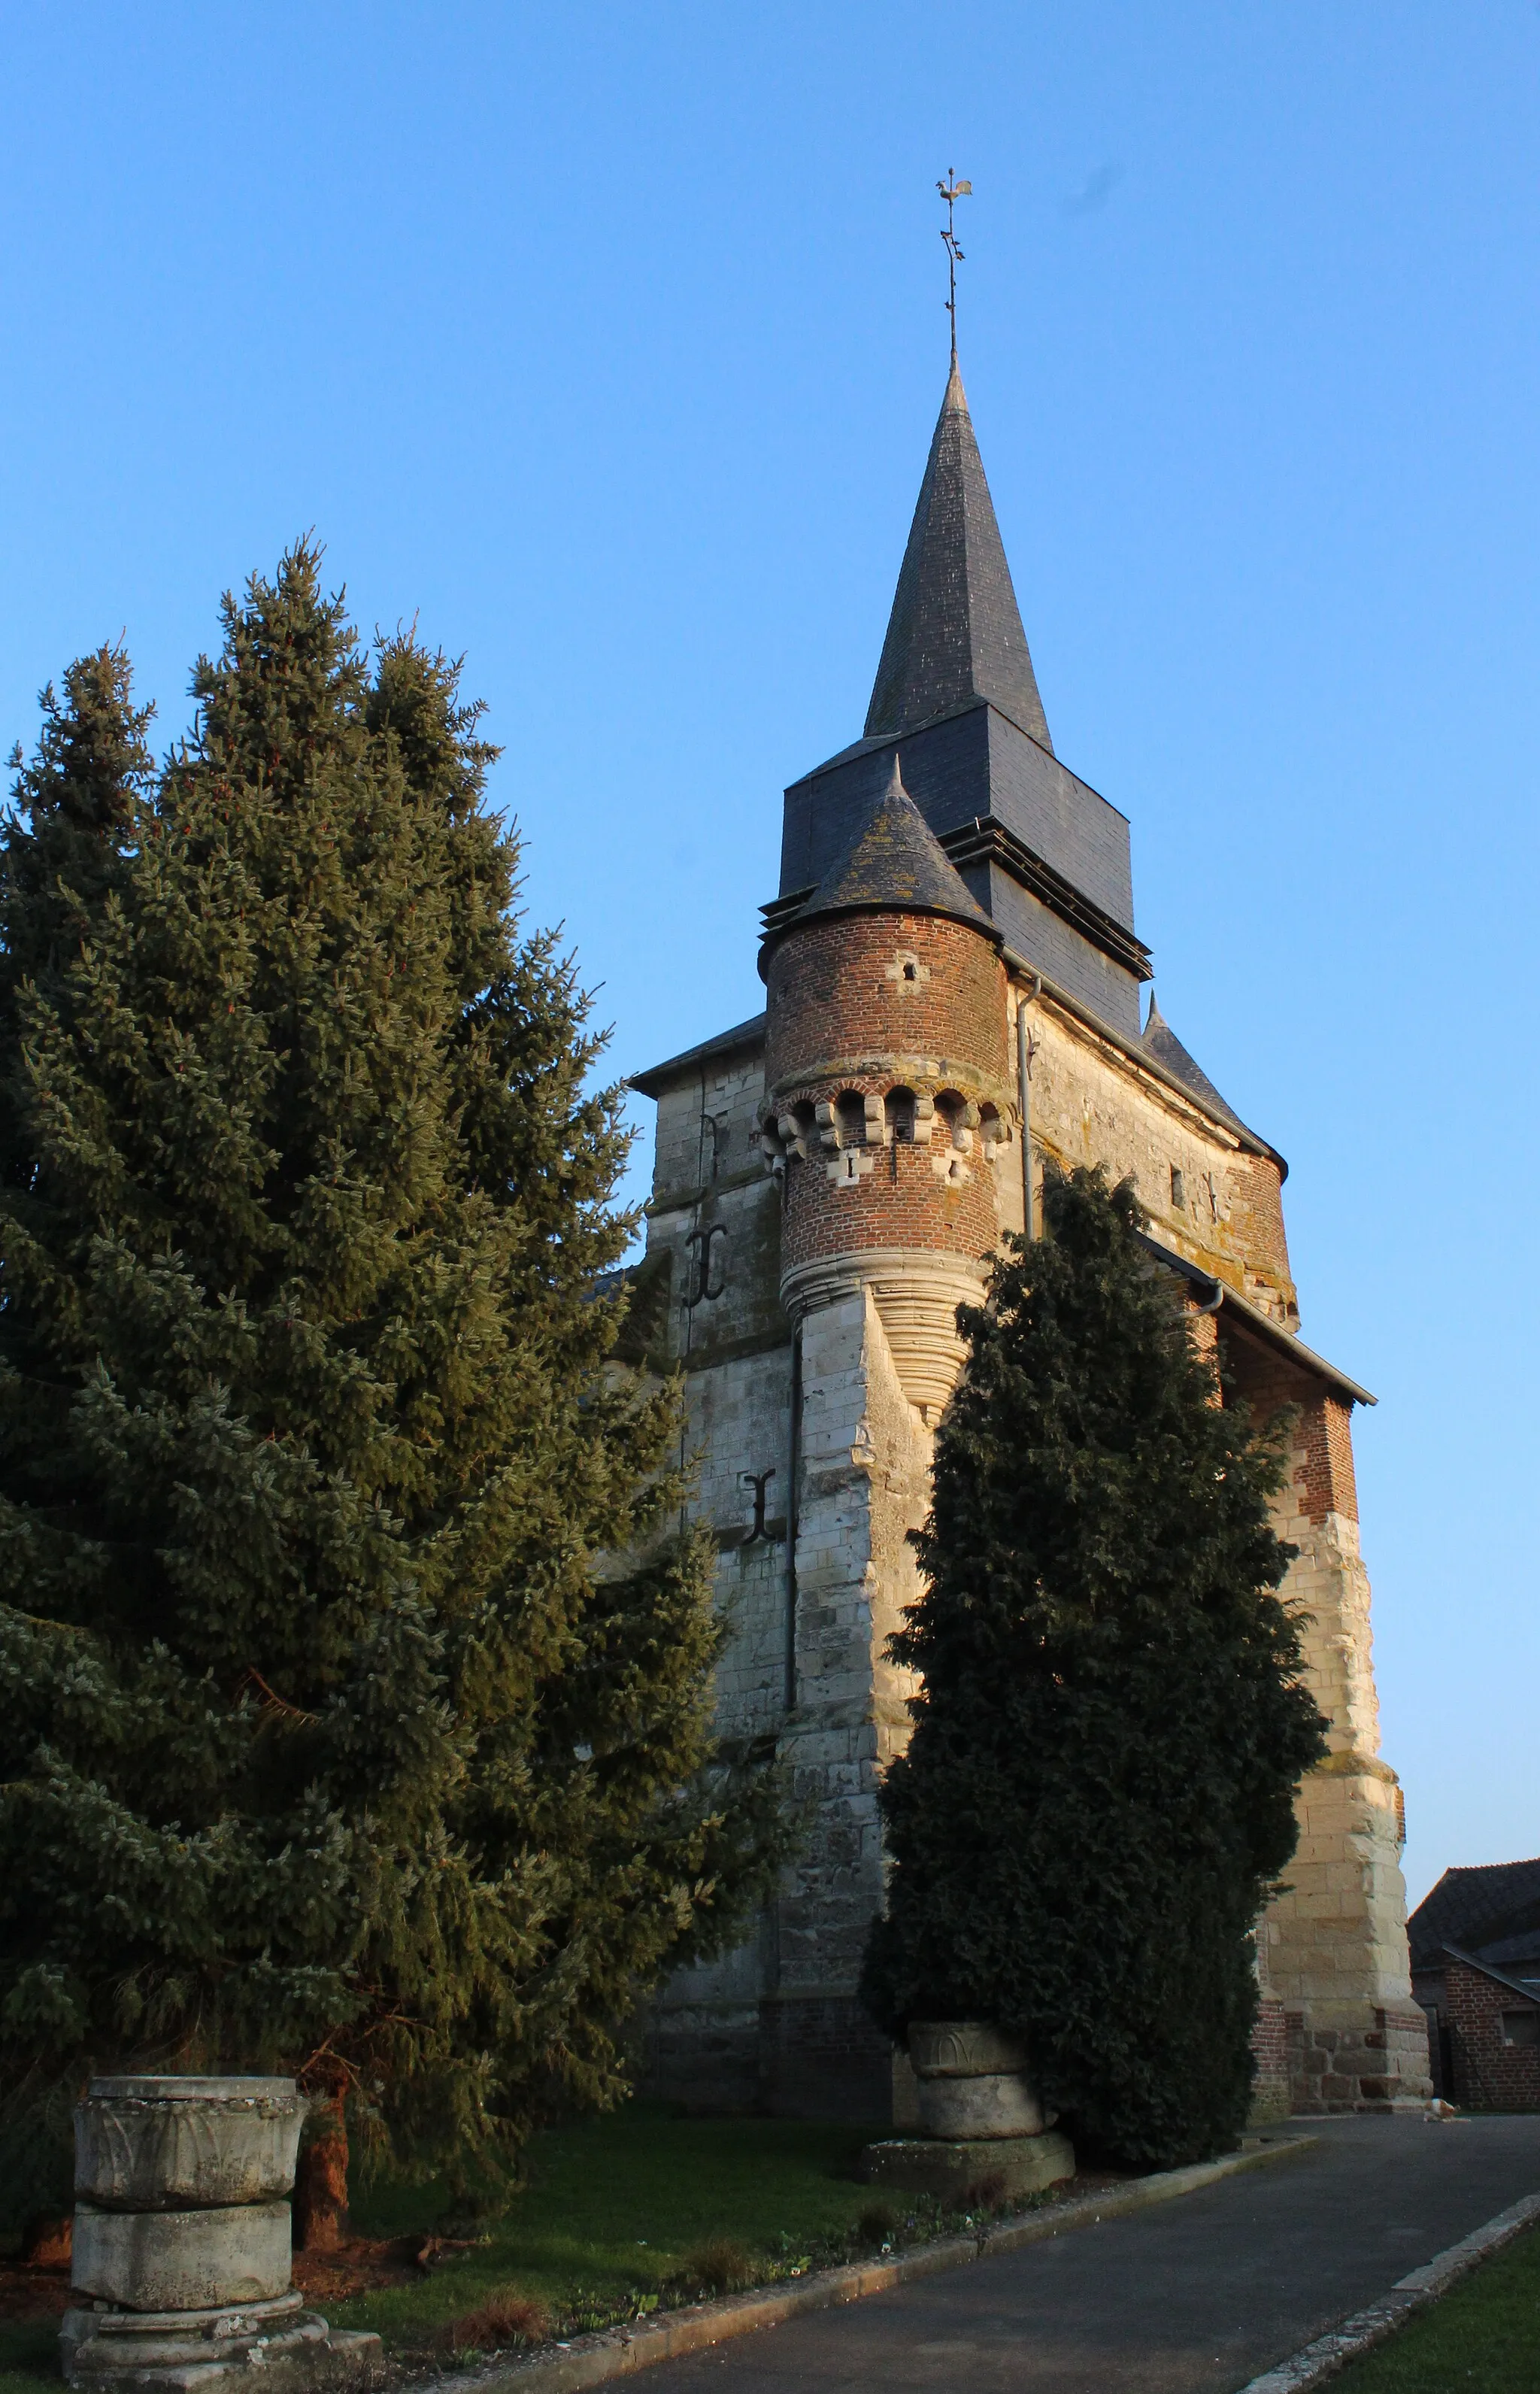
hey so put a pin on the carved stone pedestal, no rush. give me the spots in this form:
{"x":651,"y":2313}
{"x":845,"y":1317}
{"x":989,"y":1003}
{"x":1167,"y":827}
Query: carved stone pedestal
{"x":985,"y":2135}
{"x":181,"y":2249}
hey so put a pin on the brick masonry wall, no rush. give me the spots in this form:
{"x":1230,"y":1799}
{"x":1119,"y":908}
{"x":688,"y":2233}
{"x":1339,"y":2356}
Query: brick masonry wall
{"x":1322,"y":1470}
{"x":1490,"y":2075}
{"x":845,"y":1021}
{"x":1361,"y":2063}
{"x":1257,"y":1207}
{"x":902,"y":1203}
{"x":836,"y":992}
{"x":1269,"y":2092}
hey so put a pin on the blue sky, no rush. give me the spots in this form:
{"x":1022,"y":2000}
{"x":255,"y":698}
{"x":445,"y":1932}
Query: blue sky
{"x":607,"y":340}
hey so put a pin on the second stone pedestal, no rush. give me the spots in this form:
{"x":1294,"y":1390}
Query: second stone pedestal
{"x":986,"y":2136}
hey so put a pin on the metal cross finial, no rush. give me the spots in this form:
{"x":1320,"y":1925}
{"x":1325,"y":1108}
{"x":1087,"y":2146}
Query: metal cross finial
{"x":950,"y":191}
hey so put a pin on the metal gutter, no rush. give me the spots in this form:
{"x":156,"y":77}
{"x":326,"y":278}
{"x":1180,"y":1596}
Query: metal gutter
{"x":1272,"y":1333}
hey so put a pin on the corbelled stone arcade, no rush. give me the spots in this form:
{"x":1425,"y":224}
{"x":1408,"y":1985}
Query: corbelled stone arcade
{"x":952,"y":995}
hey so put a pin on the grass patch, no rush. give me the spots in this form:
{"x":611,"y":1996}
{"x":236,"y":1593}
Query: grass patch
{"x":617,"y":2217}
{"x":1483,"y":2337}
{"x":622,"y":2215}
{"x":29,"y":2353}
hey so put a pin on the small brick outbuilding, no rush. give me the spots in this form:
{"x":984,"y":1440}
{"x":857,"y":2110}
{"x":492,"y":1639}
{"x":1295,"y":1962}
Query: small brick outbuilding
{"x":1488,"y":1914}
{"x":1492,"y":2036}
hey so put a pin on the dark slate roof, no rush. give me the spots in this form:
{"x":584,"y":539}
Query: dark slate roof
{"x":657,"y":1076}
{"x":895,"y":860}
{"x":1487,"y":1904}
{"x":1163,"y":1044}
{"x":955,"y":634}
{"x":1519,"y":1951}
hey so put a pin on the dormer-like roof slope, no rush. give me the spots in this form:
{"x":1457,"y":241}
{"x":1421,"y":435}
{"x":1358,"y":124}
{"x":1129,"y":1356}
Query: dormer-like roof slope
{"x":895,"y":860}
{"x":955,"y":634}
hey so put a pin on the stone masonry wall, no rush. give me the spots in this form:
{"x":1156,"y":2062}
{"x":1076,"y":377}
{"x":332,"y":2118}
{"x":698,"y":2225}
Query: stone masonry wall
{"x":713,"y":1228}
{"x":864,"y":1482}
{"x":1207,"y":1196}
{"x":1336,"y":1936}
{"x":778,"y":2023}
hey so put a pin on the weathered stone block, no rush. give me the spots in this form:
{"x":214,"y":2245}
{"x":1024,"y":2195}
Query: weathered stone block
{"x":962,"y":2049}
{"x":991,"y":2169}
{"x":148,"y":2144}
{"x":182,"y":2260}
{"x":1002,"y":2104}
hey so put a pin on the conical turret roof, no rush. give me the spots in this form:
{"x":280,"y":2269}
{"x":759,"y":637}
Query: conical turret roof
{"x":955,"y":630}
{"x":895,"y":860}
{"x":1168,"y":1051}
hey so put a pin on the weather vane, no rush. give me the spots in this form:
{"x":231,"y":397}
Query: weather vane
{"x":950,"y":191}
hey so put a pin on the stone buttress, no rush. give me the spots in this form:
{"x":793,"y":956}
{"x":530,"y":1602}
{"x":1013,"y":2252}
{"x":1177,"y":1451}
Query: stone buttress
{"x":951,"y":994}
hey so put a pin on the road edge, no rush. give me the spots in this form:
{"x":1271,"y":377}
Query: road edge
{"x":641,"y":2344}
{"x":1314,"y":2364}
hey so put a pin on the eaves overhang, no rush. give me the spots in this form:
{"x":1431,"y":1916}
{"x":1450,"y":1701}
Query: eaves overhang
{"x":1223,"y":1297}
{"x":743,"y":1038}
{"x":986,"y":840}
{"x":1499,"y":1976}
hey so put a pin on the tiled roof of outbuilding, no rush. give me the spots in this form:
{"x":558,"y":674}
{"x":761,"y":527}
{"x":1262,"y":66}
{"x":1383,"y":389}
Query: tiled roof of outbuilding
{"x":1487,"y":1903}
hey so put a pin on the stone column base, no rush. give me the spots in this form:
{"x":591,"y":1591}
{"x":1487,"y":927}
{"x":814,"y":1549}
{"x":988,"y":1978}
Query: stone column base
{"x":184,"y":2352}
{"x":1352,"y":2057}
{"x":971,"y":2170}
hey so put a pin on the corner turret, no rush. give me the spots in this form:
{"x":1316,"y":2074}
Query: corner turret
{"x":887,"y":1096}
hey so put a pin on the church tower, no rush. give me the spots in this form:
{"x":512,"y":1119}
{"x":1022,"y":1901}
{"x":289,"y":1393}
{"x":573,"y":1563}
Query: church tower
{"x":953,"y":986}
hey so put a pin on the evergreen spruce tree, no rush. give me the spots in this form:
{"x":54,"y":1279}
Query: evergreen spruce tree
{"x":329,"y":1742}
{"x":1097,"y":1794}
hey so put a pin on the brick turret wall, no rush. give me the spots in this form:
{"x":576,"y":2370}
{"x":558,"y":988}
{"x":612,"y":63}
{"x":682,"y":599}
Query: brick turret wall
{"x":888,"y":1085}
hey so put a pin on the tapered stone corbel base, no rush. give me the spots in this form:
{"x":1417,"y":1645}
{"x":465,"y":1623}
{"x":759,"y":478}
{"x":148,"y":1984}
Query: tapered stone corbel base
{"x":971,"y":2169}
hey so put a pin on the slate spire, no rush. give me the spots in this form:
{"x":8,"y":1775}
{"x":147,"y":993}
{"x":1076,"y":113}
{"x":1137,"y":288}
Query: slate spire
{"x":895,"y":860}
{"x":955,"y":630}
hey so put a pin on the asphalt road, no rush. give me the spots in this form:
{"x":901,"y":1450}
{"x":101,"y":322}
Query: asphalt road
{"x":1202,"y":2293}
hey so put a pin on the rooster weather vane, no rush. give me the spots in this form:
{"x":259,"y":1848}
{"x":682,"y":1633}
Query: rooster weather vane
{"x":952,"y":192}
